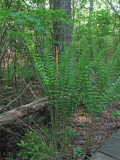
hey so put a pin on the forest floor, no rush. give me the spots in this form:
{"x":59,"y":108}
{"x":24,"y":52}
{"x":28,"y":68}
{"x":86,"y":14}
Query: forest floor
{"x":100,"y":131}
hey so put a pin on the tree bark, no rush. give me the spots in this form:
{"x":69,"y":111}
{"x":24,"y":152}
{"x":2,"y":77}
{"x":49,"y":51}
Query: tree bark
{"x":22,"y":111}
{"x":91,"y":11}
{"x":62,"y":30}
{"x":90,"y":26}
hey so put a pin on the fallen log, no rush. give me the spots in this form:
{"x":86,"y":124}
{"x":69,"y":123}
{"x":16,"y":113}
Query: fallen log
{"x":20,"y":112}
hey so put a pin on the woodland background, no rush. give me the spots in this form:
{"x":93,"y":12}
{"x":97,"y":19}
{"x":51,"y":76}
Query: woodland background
{"x":56,"y":56}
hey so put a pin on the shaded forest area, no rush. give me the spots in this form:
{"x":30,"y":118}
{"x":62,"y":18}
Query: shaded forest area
{"x":59,"y":78}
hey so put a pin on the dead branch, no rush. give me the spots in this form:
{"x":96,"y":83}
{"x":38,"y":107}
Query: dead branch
{"x":20,"y":112}
{"x":30,"y":88}
{"x":18,"y":96}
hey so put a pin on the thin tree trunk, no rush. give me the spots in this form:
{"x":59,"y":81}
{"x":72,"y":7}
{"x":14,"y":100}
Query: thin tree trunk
{"x":91,"y":11}
{"x":73,"y":11}
{"x":90,"y":25}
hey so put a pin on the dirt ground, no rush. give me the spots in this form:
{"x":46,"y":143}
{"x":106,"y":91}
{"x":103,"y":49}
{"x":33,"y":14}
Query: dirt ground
{"x":100,"y":131}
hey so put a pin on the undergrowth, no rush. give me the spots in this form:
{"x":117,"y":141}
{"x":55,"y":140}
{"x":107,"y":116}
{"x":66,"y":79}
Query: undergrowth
{"x":79,"y":78}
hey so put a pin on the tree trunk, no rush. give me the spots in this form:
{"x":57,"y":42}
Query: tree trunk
{"x":62,"y":30}
{"x":90,"y":26}
{"x":91,"y":11}
{"x":73,"y":5}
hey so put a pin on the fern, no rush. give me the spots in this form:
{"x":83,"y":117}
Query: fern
{"x":79,"y":79}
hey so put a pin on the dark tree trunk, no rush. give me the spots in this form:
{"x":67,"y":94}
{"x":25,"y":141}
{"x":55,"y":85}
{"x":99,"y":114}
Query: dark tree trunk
{"x":62,"y":30}
{"x":90,"y":11}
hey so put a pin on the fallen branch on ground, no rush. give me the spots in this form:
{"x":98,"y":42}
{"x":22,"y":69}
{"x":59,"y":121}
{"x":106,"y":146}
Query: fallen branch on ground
{"x":20,"y":112}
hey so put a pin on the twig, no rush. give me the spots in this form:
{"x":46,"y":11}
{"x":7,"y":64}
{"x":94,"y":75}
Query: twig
{"x":18,"y":96}
{"x":26,"y":5}
{"x":11,"y":132}
{"x":30,"y":88}
{"x":32,"y":128}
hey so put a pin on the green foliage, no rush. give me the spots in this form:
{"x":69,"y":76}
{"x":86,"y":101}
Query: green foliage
{"x":8,"y":87}
{"x":116,"y":114}
{"x":77,"y":151}
{"x":35,"y":148}
{"x":88,"y":71}
{"x":78,"y":80}
{"x":103,"y":19}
